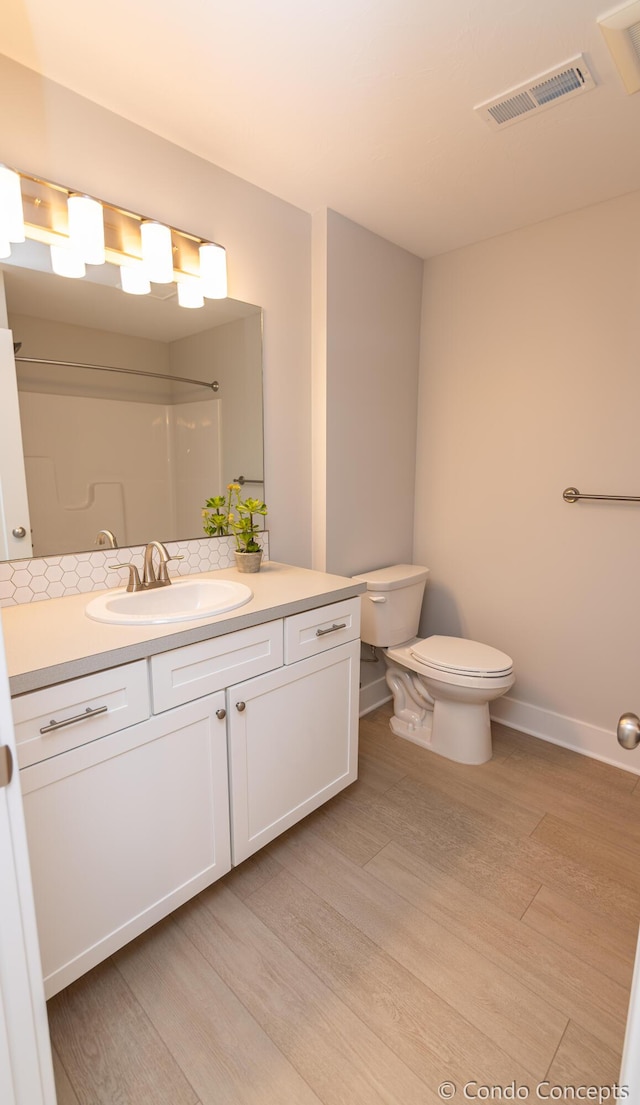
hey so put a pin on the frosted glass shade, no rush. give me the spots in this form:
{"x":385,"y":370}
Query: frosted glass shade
{"x":213,"y":271}
{"x":157,"y":252}
{"x":11,"y":216}
{"x":190,"y":293}
{"x":66,"y":262}
{"x":133,"y":280}
{"x":86,"y":229}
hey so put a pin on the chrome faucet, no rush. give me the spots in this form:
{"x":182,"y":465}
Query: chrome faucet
{"x":149,"y":577}
{"x":106,"y":537}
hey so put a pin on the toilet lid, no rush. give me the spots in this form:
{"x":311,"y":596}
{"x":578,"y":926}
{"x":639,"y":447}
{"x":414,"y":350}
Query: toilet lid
{"x":455,"y":654}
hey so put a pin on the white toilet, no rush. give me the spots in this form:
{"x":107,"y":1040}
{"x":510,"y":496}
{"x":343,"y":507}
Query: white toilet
{"x":441,"y":686}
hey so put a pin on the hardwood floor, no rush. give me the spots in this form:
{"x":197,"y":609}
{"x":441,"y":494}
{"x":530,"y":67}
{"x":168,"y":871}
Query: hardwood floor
{"x":433,"y":922}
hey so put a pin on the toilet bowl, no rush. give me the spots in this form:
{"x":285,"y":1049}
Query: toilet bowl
{"x":441,"y":686}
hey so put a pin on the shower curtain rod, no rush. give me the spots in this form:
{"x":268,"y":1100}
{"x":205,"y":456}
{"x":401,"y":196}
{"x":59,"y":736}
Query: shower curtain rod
{"x":213,"y":384}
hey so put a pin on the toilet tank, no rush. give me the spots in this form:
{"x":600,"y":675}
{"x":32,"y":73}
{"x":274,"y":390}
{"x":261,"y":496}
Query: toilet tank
{"x":391,"y":605}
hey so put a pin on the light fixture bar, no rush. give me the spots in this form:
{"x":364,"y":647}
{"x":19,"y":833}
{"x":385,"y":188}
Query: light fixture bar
{"x":82,"y":230}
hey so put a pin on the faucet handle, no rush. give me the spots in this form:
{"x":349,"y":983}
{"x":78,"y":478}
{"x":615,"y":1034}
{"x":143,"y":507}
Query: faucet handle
{"x":134,"y":583}
{"x":163,"y":574}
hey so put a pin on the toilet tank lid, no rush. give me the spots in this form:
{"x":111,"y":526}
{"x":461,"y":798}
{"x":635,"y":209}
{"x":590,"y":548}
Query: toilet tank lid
{"x":393,"y":577}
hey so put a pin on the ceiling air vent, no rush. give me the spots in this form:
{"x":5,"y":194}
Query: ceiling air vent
{"x":621,"y":31}
{"x":542,"y":92}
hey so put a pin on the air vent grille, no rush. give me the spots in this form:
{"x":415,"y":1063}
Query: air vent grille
{"x":634,"y":37}
{"x":542,"y":92}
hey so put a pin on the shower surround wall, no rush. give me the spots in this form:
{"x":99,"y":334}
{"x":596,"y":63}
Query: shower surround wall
{"x":146,"y":468}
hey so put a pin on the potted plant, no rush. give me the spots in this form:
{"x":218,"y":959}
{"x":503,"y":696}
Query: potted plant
{"x":215,"y":520}
{"x":248,"y":552}
{"x":225,"y":514}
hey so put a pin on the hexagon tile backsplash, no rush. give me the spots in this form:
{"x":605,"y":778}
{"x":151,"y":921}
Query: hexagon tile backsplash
{"x":52,"y":577}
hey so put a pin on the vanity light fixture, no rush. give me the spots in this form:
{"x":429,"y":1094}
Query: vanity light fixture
{"x":11,"y":216}
{"x":133,"y":279}
{"x":80,"y":230}
{"x":213,"y":270}
{"x":157,"y":251}
{"x":190,"y":292}
{"x":86,"y":228}
{"x":67,"y":262}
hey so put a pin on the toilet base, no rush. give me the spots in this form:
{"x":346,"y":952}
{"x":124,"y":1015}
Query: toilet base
{"x":459,"y":730}
{"x":413,"y":706}
{"x":409,"y":731}
{"x":462,"y":732}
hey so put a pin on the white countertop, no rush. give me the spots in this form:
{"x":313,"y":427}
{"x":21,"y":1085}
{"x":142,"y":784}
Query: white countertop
{"x":51,"y":641}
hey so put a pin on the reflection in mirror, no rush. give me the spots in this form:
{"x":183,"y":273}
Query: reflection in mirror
{"x":133,"y":454}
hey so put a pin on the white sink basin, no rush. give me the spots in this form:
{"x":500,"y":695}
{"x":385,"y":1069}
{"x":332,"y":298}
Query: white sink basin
{"x":180,"y":602}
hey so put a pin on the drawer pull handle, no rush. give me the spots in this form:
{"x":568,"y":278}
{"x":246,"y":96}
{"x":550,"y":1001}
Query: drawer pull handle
{"x":241,"y":706}
{"x":332,"y":629}
{"x":221,"y":714}
{"x":89,"y":712}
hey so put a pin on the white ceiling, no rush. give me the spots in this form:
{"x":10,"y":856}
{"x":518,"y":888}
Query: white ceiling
{"x":364,"y":106}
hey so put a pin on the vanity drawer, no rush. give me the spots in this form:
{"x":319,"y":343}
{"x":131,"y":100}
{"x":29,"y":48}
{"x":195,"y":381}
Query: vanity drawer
{"x":315,"y":631}
{"x":66,"y":711}
{"x":187,"y":673}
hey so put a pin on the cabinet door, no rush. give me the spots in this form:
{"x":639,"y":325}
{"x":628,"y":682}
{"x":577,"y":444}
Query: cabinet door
{"x":293,"y":744}
{"x":124,"y":830}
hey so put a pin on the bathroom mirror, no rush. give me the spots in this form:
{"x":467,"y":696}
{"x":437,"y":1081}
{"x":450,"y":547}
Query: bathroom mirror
{"x":125,"y":452}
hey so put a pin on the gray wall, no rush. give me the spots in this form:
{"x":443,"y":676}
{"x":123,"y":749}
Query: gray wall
{"x":372,"y":358}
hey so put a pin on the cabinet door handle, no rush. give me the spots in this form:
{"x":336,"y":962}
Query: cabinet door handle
{"x":221,"y":714}
{"x":332,"y":629}
{"x":241,"y":706}
{"x":6,"y":765}
{"x":89,"y":712}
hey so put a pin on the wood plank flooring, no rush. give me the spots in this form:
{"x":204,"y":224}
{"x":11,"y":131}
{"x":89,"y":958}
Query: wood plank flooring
{"x":433,"y":922}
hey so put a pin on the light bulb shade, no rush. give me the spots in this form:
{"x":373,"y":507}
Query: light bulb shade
{"x":213,"y":271}
{"x":86,"y":229}
{"x":66,"y":262}
{"x":11,"y":216}
{"x":133,"y":279}
{"x":190,"y":293}
{"x":157,"y":252}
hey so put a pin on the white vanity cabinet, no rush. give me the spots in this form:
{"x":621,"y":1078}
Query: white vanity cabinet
{"x":122,"y":830}
{"x":144,"y":782}
{"x":292,"y":744}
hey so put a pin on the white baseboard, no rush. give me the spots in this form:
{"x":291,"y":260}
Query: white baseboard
{"x":589,"y":740}
{"x":373,"y":694}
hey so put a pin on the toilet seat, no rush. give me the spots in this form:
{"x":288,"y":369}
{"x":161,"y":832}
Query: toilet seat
{"x":459,"y":657}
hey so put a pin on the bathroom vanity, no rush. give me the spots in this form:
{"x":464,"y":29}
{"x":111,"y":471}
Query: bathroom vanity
{"x":154,"y":758}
